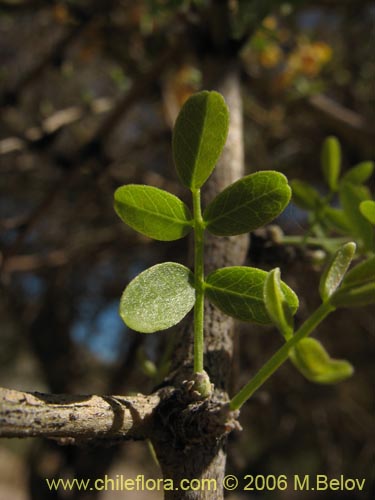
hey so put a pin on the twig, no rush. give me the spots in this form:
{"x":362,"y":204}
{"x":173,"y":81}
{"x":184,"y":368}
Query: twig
{"x":353,"y":126}
{"x":76,"y":418}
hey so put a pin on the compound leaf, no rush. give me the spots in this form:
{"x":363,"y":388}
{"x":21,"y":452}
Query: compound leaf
{"x":276,"y":304}
{"x":153,"y":212}
{"x":199,"y":136}
{"x":335,"y":270}
{"x":158,"y":298}
{"x":248,"y":204}
{"x":238,"y":292}
{"x":313,"y":361}
{"x":331,"y":161}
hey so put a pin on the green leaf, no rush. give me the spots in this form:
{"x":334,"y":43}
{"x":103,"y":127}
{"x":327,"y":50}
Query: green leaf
{"x":153,"y":212}
{"x":361,"y":273}
{"x":199,"y":136}
{"x":367,"y":209}
{"x":238,"y":292}
{"x":354,"y":296}
{"x":313,"y":361}
{"x":304,"y":195}
{"x":158,"y":298}
{"x":360,"y":173}
{"x":350,"y":197}
{"x":276,"y":304}
{"x":248,"y":204}
{"x":331,"y":161}
{"x":335,"y":270}
{"x":336,"y":219}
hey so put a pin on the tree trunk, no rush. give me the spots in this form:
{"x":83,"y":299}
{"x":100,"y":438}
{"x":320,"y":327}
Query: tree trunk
{"x":199,"y":454}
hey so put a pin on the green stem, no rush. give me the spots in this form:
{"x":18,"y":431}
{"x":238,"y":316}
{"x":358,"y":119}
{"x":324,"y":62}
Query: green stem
{"x":321,"y":242}
{"x":198,"y":281}
{"x":280,"y":356}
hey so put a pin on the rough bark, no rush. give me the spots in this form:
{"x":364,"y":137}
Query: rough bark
{"x":75,"y":418}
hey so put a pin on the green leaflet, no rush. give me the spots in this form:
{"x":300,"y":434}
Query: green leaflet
{"x":304,"y":195}
{"x":238,"y":291}
{"x":313,"y":361}
{"x":351,"y":196}
{"x":367,"y":209}
{"x":355,"y":296}
{"x":158,"y":298}
{"x":153,"y":212}
{"x":331,"y":161}
{"x":360,"y":173}
{"x":199,"y":136}
{"x":248,"y":204}
{"x":335,"y":270}
{"x":361,"y":273}
{"x":276,"y":304}
{"x":336,"y":219}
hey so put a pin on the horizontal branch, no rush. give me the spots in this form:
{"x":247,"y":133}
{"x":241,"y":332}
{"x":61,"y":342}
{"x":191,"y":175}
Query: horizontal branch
{"x":354,"y":127}
{"x":75,"y":418}
{"x":53,"y":124}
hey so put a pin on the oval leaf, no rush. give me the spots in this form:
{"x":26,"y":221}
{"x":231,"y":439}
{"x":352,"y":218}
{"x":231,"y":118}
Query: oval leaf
{"x":335,"y":270}
{"x":158,"y":298}
{"x":367,"y":209}
{"x":360,"y":173}
{"x":248,"y":204}
{"x":153,"y":212}
{"x":304,"y":195}
{"x":276,"y":304}
{"x":350,"y":197}
{"x":361,"y":273}
{"x":354,"y":296}
{"x":331,"y":161}
{"x":313,"y":361}
{"x":199,"y":136}
{"x":238,"y":292}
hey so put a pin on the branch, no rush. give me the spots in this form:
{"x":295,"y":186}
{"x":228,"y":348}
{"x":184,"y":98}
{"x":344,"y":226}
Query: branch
{"x":76,"y":418}
{"x":353,"y":126}
{"x":52,"y":124}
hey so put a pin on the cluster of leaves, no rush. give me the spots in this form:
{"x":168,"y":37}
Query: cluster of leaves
{"x":163,"y":295}
{"x":354,"y":213}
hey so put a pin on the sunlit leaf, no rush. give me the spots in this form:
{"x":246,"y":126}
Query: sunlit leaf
{"x":199,"y":136}
{"x":153,"y":212}
{"x":304,"y":195}
{"x":248,"y":204}
{"x":331,"y":161}
{"x":276,"y":304}
{"x":335,"y":271}
{"x":367,"y":209}
{"x":360,"y":173}
{"x":158,"y":298}
{"x":350,"y":197}
{"x":361,"y":273}
{"x":238,"y":291}
{"x":355,"y":296}
{"x":313,"y":361}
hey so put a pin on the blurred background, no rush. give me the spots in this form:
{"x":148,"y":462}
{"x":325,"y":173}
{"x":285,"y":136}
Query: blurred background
{"x":89,"y":91}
